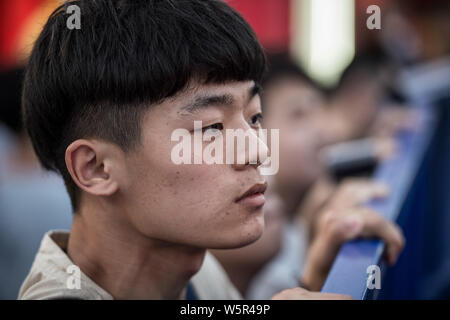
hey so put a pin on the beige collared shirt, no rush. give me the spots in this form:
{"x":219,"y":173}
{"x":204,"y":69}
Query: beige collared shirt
{"x":49,"y":278}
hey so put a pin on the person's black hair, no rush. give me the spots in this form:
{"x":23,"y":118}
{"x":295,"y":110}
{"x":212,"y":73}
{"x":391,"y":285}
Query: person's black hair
{"x":367,"y":63}
{"x":373,"y":64}
{"x":97,"y":81}
{"x":281,"y":66}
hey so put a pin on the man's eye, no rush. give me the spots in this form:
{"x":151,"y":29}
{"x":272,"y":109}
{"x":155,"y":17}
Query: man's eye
{"x":256,"y":119}
{"x":216,"y":126}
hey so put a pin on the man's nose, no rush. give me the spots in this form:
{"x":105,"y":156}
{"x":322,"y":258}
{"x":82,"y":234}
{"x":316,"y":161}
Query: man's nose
{"x":254,"y":152}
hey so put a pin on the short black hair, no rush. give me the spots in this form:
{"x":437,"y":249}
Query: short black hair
{"x":282,"y":66}
{"x":367,"y":63}
{"x":97,"y":81}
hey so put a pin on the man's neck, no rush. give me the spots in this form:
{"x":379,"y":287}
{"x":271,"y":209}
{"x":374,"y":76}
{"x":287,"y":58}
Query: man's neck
{"x":241,"y":276}
{"x":292,"y":196}
{"x":128,"y":264}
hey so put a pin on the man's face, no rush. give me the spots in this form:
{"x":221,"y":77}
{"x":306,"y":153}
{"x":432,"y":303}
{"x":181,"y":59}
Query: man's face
{"x":195,"y":204}
{"x":296,"y":109}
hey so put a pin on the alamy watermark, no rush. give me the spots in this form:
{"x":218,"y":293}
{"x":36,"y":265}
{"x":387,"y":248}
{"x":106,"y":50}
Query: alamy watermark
{"x":374,"y":20}
{"x":373,"y":277}
{"x":74,"y":20}
{"x":74,"y":280}
{"x":251,"y":147}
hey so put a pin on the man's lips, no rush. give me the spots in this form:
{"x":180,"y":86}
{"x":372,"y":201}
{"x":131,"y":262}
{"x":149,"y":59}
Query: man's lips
{"x":253,"y":197}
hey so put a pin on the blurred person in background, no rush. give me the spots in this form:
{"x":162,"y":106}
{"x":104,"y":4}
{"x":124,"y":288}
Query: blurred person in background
{"x":365,"y":103}
{"x":31,"y":201}
{"x":415,"y":31}
{"x":365,"y":113}
{"x":293,"y":103}
{"x":304,"y":113}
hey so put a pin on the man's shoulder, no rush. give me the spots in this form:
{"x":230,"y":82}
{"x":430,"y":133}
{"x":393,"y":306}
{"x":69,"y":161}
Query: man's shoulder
{"x":54,"y":276}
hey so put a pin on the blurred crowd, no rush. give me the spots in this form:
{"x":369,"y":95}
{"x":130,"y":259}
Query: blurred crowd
{"x":331,"y":141}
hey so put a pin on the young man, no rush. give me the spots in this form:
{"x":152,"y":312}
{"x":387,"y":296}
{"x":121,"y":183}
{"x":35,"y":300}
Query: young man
{"x":101,"y":104}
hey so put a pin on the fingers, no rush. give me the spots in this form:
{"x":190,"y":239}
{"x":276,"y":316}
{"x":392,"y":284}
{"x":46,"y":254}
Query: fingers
{"x":370,"y":224}
{"x":357,"y":192}
{"x":319,"y":260}
{"x":344,"y":220}
{"x":390,"y":233}
{"x":332,"y":296}
{"x":302,"y":294}
{"x":339,"y":227}
{"x":366,"y":190}
{"x":385,"y":147}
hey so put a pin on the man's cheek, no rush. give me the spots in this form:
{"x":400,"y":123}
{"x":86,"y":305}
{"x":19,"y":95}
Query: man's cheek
{"x":204,"y":174}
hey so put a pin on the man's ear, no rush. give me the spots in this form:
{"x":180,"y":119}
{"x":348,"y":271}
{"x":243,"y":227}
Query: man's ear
{"x":91,"y":163}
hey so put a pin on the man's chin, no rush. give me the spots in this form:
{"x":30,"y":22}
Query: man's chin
{"x":249,"y":241}
{"x":245,"y":239}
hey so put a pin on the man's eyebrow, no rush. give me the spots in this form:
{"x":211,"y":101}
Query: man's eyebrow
{"x":204,"y":102}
